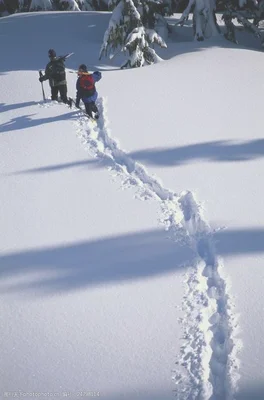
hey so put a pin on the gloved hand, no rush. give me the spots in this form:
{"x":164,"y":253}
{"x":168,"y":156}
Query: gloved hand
{"x":41,"y":78}
{"x":97,"y":75}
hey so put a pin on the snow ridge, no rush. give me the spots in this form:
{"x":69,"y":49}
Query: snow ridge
{"x":210,"y":352}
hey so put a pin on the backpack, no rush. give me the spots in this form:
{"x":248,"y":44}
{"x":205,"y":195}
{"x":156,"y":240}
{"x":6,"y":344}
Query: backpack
{"x":58,"y":70}
{"x":87,"y":85}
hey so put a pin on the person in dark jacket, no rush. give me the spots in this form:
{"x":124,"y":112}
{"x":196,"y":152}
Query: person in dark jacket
{"x":55,"y":73}
{"x":86,"y":90}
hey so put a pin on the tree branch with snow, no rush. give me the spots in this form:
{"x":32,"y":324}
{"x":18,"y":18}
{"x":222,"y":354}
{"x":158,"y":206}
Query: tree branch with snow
{"x":254,"y":13}
{"x":138,"y":45}
{"x":132,"y":28}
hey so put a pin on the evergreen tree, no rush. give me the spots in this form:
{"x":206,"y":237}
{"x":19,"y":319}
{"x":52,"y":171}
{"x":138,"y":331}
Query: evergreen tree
{"x":132,"y":28}
{"x":248,"y":14}
{"x":138,"y":45}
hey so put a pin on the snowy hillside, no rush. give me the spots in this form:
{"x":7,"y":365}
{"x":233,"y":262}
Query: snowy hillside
{"x":131,"y":250}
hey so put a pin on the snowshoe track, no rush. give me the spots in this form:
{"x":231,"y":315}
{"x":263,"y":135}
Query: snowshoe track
{"x":207,"y":367}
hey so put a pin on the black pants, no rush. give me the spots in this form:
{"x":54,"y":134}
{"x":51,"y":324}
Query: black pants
{"x":90,"y":108}
{"x":62,"y":89}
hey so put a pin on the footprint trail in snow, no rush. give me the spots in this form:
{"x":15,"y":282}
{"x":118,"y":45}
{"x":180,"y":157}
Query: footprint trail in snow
{"x":207,"y":367}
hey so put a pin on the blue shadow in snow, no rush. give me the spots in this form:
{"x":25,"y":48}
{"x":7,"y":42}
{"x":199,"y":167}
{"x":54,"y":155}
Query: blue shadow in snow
{"x":7,"y":107}
{"x":59,"y":167}
{"x":220,"y":151}
{"x":115,"y":259}
{"x":209,"y":151}
{"x":77,"y":32}
{"x":25,"y":121}
{"x":121,"y":258}
{"x":254,"y":392}
{"x":235,"y":242}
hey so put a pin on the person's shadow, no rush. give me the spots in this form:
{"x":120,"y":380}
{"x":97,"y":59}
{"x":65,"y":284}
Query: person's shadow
{"x":25,"y":121}
{"x":8,"y":107}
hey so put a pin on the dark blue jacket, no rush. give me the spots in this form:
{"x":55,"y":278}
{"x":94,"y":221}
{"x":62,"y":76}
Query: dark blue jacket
{"x":55,"y":72}
{"x":81,"y":93}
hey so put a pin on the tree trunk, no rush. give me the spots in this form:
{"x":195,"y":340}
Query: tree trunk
{"x":204,"y":19}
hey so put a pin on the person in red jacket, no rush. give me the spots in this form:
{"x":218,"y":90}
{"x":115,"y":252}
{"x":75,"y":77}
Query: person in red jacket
{"x":86,"y":90}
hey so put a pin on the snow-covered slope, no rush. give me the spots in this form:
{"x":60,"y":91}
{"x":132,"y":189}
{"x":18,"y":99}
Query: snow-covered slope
{"x":131,"y":250}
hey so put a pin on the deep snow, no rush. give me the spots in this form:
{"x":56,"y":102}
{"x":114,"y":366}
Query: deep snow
{"x":131,"y":251}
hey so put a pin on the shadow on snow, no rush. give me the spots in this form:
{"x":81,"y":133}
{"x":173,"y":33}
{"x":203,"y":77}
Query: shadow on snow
{"x":255,"y":392}
{"x":218,"y":151}
{"x":121,"y":258}
{"x":24,"y":121}
{"x":209,"y":151}
{"x":7,"y":107}
{"x":68,"y":267}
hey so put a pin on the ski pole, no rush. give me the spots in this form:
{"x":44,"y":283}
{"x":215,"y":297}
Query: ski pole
{"x":43,"y":93}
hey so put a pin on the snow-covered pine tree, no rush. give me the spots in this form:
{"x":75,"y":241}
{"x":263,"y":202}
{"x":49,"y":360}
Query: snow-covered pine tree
{"x":125,"y":18}
{"x":131,"y":28}
{"x":138,"y":45}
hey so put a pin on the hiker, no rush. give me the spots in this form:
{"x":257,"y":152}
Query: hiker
{"x":86,"y":90}
{"x":55,"y":73}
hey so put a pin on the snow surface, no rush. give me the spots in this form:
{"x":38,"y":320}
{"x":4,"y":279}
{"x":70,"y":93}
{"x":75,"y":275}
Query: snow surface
{"x":132,"y":250}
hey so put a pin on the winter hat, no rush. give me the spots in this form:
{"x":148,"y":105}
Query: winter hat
{"x":83,"y":68}
{"x":52,"y":53}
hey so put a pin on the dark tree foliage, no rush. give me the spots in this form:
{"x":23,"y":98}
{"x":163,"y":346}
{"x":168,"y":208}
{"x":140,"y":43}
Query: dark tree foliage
{"x":10,"y":6}
{"x":236,"y":14}
{"x":249,"y":16}
{"x":13,"y":6}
